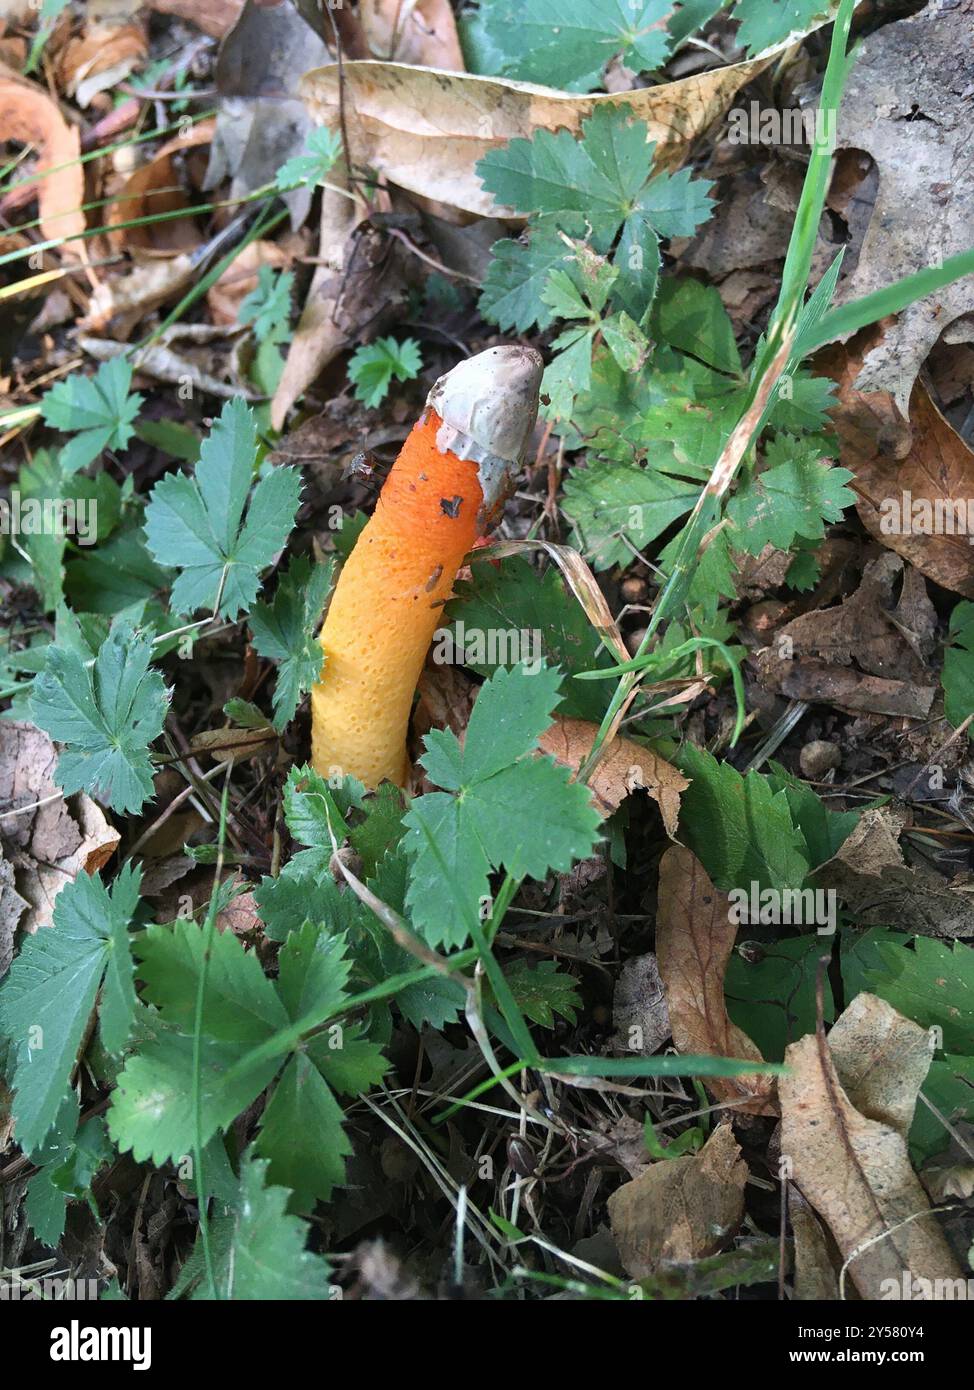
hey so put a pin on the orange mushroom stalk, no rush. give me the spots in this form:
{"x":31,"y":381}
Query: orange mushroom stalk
{"x":444,"y":490}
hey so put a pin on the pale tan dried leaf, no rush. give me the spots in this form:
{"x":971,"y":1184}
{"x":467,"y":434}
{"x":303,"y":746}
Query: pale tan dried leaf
{"x":882,"y":1060}
{"x":680,"y":1209}
{"x":425,"y":129}
{"x":694,"y":939}
{"x":127,"y":298}
{"x":28,"y":115}
{"x":51,"y":844}
{"x":815,"y":1275}
{"x":625,"y":767}
{"x":856,"y":1173}
{"x":870,"y":874}
{"x":905,"y":106}
{"x":422,"y":32}
{"x":321,"y":334}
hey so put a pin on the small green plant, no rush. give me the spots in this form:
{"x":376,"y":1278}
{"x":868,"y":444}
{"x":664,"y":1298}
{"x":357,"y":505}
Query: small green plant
{"x":372,"y":367}
{"x":97,"y":410}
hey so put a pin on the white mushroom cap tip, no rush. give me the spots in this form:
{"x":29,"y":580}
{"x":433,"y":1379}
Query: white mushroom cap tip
{"x":492,"y":399}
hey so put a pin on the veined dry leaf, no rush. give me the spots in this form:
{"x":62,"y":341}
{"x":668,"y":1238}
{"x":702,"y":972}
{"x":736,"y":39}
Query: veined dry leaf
{"x":871,"y":875}
{"x":50,"y":845}
{"x":694,"y":939}
{"x":28,"y":115}
{"x":223,"y":744}
{"x":930,"y":464}
{"x":423,"y":31}
{"x":882,"y":1059}
{"x":856,"y":1171}
{"x":624,"y":768}
{"x":907,"y":103}
{"x":680,"y":1208}
{"x":425,"y":129}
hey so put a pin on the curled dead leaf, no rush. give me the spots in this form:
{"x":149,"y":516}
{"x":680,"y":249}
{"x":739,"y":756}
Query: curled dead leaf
{"x":680,"y":1209}
{"x":625,"y":767}
{"x":855,"y":1171}
{"x":29,"y":116}
{"x":51,"y":844}
{"x":425,"y":129}
{"x":694,"y":939}
{"x":158,"y":187}
{"x":905,"y":475}
{"x":871,"y":875}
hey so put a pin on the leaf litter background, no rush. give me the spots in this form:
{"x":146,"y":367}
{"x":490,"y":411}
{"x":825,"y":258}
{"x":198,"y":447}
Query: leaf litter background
{"x":488,"y":213}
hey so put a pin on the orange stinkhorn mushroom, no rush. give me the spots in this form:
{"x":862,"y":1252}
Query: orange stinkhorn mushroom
{"x":444,"y":490}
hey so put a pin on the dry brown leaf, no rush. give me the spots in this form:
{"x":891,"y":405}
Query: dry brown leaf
{"x":934,"y":464}
{"x":680,"y":1209}
{"x":907,"y":103}
{"x":422,"y":32}
{"x":811,"y":657}
{"x":625,"y":767}
{"x":28,"y":115}
{"x":815,"y":1275}
{"x":323,"y":330}
{"x":882,"y":1059}
{"x":47,"y":847}
{"x":871,"y":875}
{"x":223,"y":744}
{"x":639,"y":1013}
{"x":856,"y":1173}
{"x":106,"y":53}
{"x":694,"y":939}
{"x":158,"y":187}
{"x":425,"y":129}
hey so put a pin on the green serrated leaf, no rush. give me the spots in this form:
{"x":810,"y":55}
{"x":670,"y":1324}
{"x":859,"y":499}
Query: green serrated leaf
{"x":795,"y":495}
{"x":47,"y":998}
{"x":268,"y":307}
{"x":740,"y":828}
{"x":928,"y":980}
{"x":284,"y":631}
{"x":541,"y":991}
{"x":569,"y":46}
{"x":764,"y":23}
{"x":371,"y":368}
{"x":511,"y":810}
{"x":106,"y":717}
{"x":197,"y":525}
{"x":514,"y":285}
{"x":98,"y":410}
